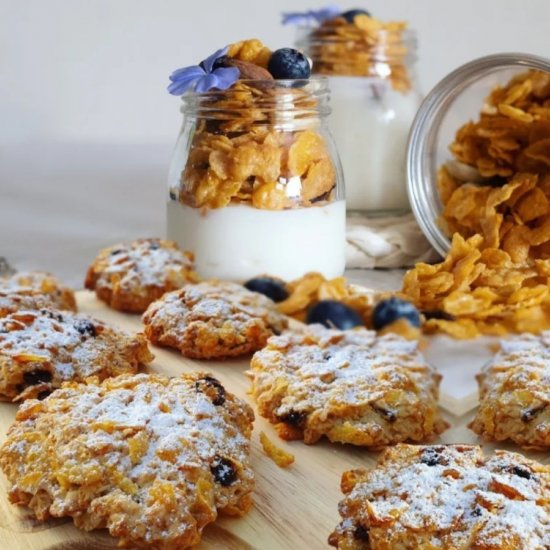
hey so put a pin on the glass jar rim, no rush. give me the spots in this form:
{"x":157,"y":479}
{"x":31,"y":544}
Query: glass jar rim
{"x":287,"y":83}
{"x":423,"y":196}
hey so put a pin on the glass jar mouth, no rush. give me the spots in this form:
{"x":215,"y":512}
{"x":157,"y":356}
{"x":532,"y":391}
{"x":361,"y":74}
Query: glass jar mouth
{"x":318,"y":83}
{"x":422,"y":159}
{"x":261,"y":100}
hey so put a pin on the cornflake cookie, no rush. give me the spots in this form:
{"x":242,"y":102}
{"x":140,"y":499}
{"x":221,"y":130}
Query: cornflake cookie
{"x":351,"y":386}
{"x":34,"y":290}
{"x":448,"y":497}
{"x":515,"y":393}
{"x":128,"y":277}
{"x":213,"y":319}
{"x":152,"y":459}
{"x":39,"y":350}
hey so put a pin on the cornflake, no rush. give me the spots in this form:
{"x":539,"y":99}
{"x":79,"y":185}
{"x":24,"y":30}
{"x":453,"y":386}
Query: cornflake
{"x":313,"y":287}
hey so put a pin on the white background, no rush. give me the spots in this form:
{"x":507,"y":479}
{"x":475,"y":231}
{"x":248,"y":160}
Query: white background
{"x":86,"y":127}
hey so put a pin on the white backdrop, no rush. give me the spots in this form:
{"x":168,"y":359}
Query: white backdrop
{"x":86,"y":127}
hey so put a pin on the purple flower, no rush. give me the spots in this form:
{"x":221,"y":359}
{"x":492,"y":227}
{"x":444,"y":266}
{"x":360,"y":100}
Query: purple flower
{"x":311,"y":17}
{"x":203,"y":77}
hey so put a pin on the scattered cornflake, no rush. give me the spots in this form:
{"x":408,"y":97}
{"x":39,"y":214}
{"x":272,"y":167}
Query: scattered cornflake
{"x":282,"y":458}
{"x":313,"y":287}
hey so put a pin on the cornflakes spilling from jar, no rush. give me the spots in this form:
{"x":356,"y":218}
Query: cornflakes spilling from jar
{"x":496,"y":206}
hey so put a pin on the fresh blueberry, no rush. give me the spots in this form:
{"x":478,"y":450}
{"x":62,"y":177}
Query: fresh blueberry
{"x":350,"y":14}
{"x":334,"y":314}
{"x":288,"y":63}
{"x":269,"y":287}
{"x":392,"y":309}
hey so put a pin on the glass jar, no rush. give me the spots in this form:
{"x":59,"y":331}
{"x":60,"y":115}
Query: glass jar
{"x":374,"y":99}
{"x":453,"y":102}
{"x":255,"y":184}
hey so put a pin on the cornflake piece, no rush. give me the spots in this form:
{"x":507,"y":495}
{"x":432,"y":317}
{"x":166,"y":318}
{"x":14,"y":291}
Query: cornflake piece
{"x":350,"y":386}
{"x":515,"y":393}
{"x":443,"y":497}
{"x":282,"y":458}
{"x":152,"y":459}
{"x":481,"y":291}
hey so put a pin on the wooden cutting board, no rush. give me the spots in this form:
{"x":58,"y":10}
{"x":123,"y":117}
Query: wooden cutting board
{"x":294,"y":508}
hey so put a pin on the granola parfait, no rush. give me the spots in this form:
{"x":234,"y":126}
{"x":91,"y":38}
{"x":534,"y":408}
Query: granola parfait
{"x":369,"y":64}
{"x":255,"y":183}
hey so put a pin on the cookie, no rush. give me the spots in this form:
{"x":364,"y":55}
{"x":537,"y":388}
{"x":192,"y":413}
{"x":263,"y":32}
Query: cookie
{"x":515,"y":393}
{"x":39,"y":350}
{"x":448,"y":497}
{"x":350,"y":386}
{"x":213,"y":319}
{"x":150,"y":458}
{"x":34,"y":290}
{"x":128,"y":277}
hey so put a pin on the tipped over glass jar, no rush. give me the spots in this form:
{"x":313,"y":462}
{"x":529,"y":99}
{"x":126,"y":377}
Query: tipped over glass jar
{"x":370,"y":68}
{"x":479,"y":157}
{"x":255,"y":184}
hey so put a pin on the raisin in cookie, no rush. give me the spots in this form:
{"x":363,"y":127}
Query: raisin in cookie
{"x":515,"y":393}
{"x":39,"y":350}
{"x":213,"y":319}
{"x":350,"y":386}
{"x":448,"y":497}
{"x":128,"y":277}
{"x":34,"y":290}
{"x":153,"y":459}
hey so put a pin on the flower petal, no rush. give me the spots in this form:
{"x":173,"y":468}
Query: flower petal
{"x":193,"y":70}
{"x":206,"y":82}
{"x":208,"y":63}
{"x":178,"y":87}
{"x":227,"y":76}
{"x":311,"y":16}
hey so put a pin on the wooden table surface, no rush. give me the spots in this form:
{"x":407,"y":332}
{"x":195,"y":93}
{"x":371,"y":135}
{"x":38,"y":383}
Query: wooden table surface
{"x":294,"y":508}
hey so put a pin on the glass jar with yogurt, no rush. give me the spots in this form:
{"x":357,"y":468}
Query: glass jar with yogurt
{"x":480,"y":127}
{"x":255,"y":184}
{"x":374,"y":98}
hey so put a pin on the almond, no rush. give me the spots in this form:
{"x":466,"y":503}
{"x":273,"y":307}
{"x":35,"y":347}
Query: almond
{"x":248,"y":71}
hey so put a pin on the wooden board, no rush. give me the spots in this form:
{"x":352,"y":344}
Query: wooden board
{"x":294,"y":508}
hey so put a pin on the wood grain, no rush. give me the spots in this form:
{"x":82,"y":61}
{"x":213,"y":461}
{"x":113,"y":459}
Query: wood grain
{"x":294,"y":508}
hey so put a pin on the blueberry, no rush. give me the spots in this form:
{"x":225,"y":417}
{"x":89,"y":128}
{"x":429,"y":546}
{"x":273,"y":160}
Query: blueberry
{"x":392,"y":309}
{"x":350,"y":14}
{"x":288,"y":63}
{"x":268,"y":287}
{"x":223,"y":471}
{"x":334,"y":314}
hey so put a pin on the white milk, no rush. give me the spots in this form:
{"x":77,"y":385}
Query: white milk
{"x":370,"y":123}
{"x":239,"y":242}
